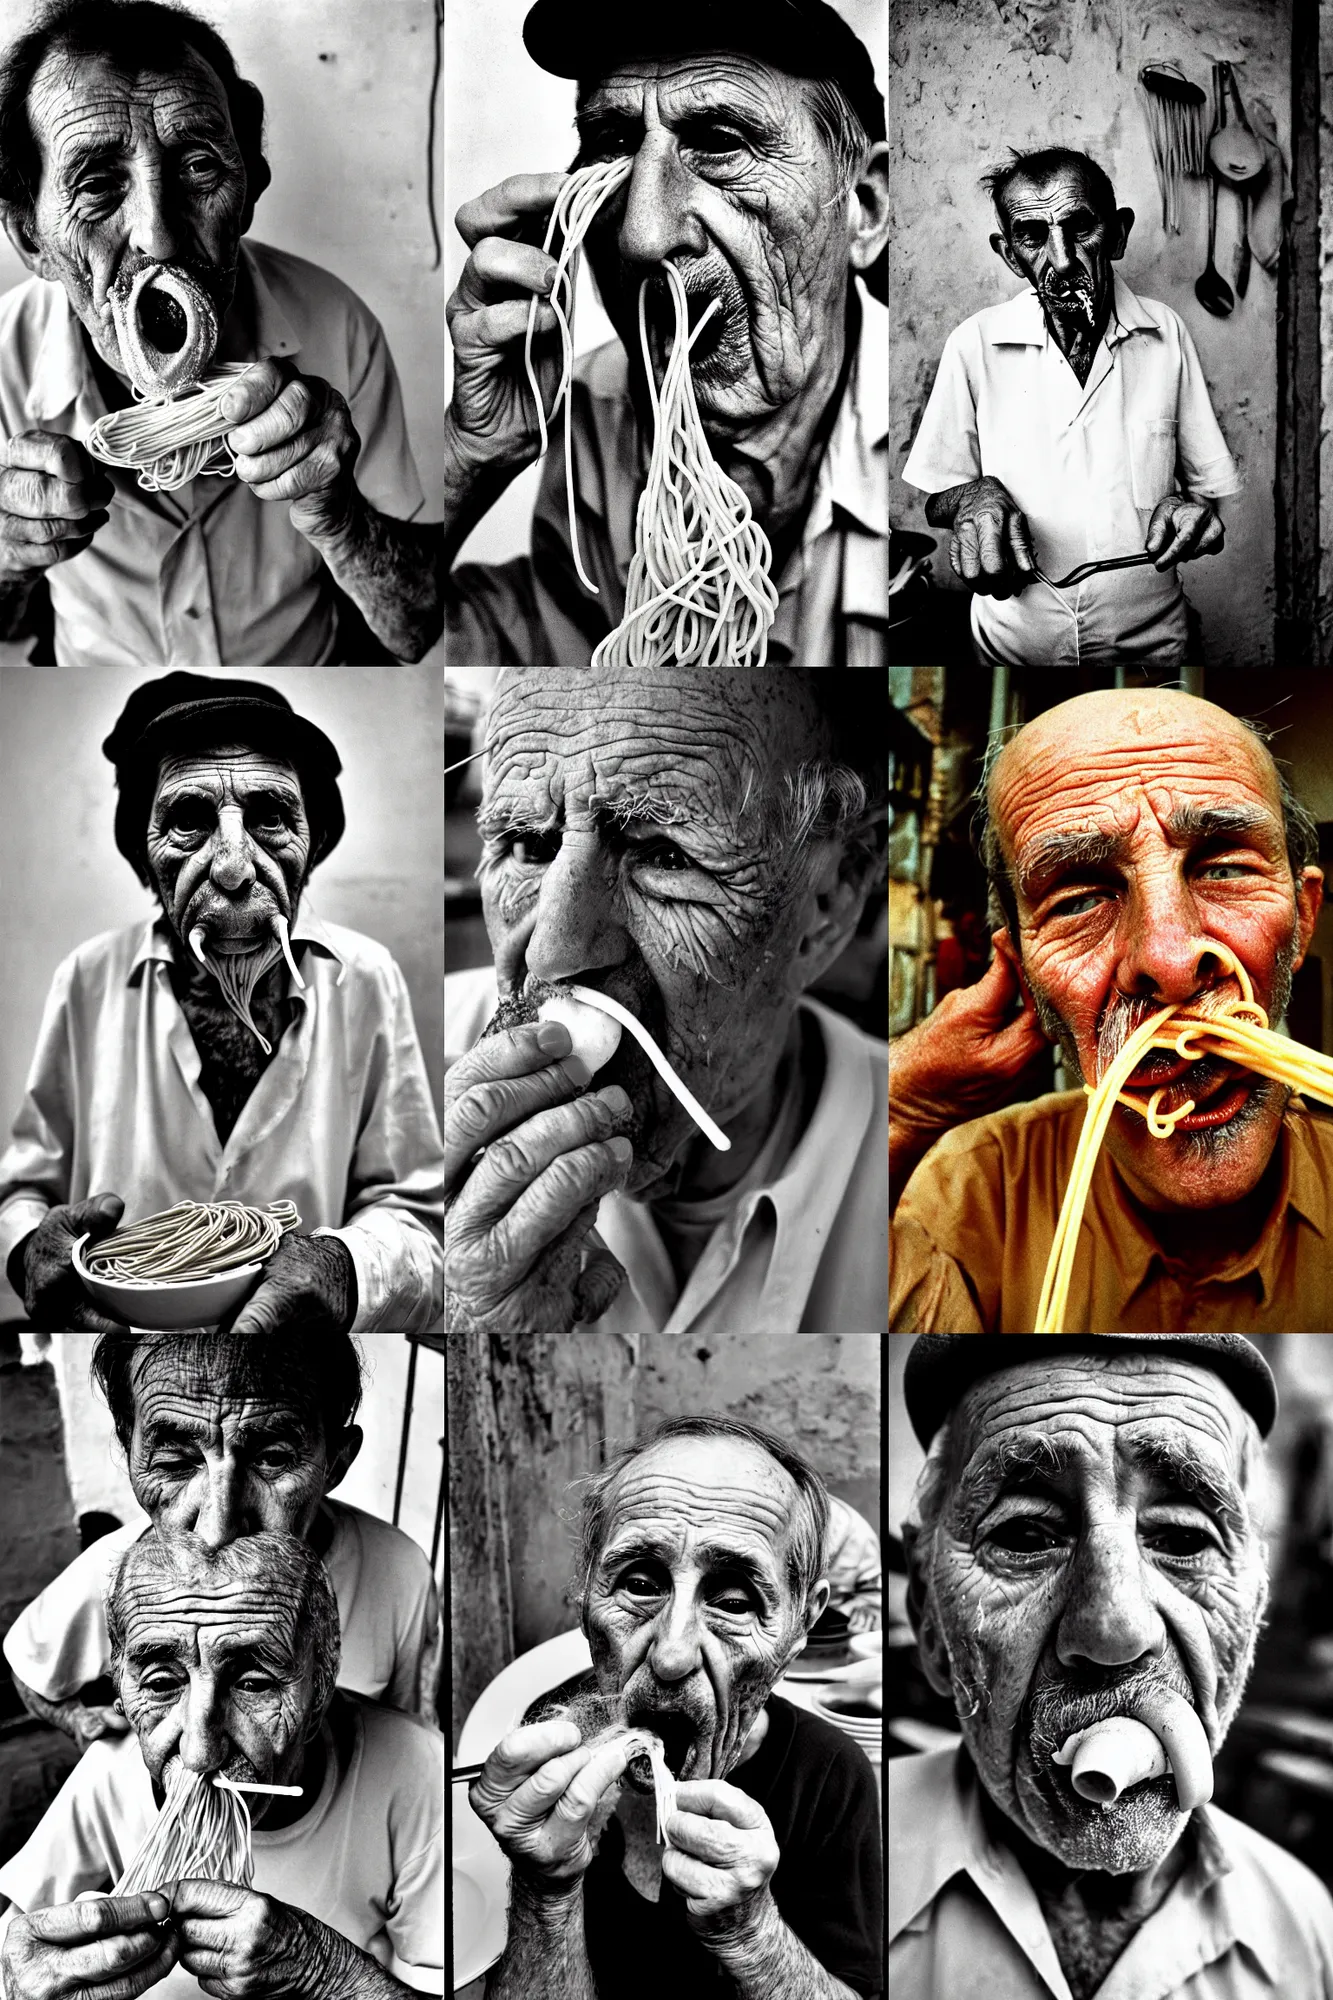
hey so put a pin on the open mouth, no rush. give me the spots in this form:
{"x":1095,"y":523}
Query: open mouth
{"x":1217,"y":1088}
{"x":162,"y":320}
{"x":678,"y":1734}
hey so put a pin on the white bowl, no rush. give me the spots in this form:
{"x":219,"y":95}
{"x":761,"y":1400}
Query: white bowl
{"x":867,"y":1645}
{"x":168,"y":1308}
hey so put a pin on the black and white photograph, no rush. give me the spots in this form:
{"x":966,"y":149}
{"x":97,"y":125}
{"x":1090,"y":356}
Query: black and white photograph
{"x":684,"y":457}
{"x":1109,"y":1639}
{"x":221,"y":332}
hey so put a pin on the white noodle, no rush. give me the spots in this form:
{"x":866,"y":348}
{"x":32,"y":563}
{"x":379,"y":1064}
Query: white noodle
{"x":701,"y":1118}
{"x":202,"y":1832}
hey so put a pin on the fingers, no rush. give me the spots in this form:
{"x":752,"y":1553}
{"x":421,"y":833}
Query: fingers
{"x":525,"y":1749}
{"x":512,"y":203}
{"x":499,"y":268}
{"x":598,"y":1284}
{"x":483,"y":330}
{"x":512,"y":1163}
{"x":553,"y":1204}
{"x":508,"y":1077}
{"x":100,"y":1917}
{"x":981,"y":552}
{"x":251,"y":393}
{"x":64,"y":461}
{"x":1020,"y":544}
{"x":713,"y":1798}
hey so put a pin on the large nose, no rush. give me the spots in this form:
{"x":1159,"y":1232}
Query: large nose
{"x":150,"y":227}
{"x":675,"y":1652}
{"x":1109,"y":1618}
{"x":221,"y":1516}
{"x":1059,"y":250}
{"x":204,"y":1741}
{"x":658,"y":222}
{"x":232,"y":867}
{"x":579,"y":925}
{"x":1165,"y":954}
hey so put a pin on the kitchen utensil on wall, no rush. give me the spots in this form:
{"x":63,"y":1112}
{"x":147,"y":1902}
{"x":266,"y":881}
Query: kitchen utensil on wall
{"x":1177,"y":132}
{"x":1273,"y":195}
{"x":1234,"y":153}
{"x":1212,"y":290}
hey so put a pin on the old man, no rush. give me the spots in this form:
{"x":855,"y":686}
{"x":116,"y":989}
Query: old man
{"x":759,"y":171}
{"x":129,"y":145}
{"x":225,"y":1661}
{"x":225,"y":1436}
{"x":234,"y":1047}
{"x":1068,"y":426}
{"x":1084,"y":1547}
{"x":701,"y":1572}
{"x":698,"y":847}
{"x":1127,"y":835}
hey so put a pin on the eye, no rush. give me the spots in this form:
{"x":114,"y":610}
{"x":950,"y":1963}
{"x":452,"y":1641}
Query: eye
{"x":159,"y":1685}
{"x":256,"y":1683}
{"x":662,"y":854}
{"x":1226,"y":868}
{"x":190,"y":816}
{"x":710,"y":135}
{"x":1024,"y":1535}
{"x":535,"y":849}
{"x":1180,"y":1542}
{"x":640,"y":1583}
{"x":1078,"y":906}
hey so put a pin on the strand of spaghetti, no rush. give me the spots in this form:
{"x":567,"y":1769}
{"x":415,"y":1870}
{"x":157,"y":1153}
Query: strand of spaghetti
{"x":607,"y":1005}
{"x":203,"y":1831}
{"x":193,"y":1240}
{"x":168,"y":443}
{"x":664,"y":1785}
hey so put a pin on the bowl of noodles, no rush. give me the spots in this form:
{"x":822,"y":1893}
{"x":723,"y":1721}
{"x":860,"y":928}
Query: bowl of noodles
{"x":185,"y":1267}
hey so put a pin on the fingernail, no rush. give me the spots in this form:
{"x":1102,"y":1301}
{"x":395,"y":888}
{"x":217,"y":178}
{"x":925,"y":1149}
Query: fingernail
{"x":577,"y":1071}
{"x":622,"y":1151}
{"x":615,"y":1099}
{"x":553,"y":1038}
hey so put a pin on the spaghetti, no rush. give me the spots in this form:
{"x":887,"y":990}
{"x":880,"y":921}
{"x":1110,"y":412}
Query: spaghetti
{"x":699,"y":589}
{"x":168,"y":443}
{"x":664,"y":1785}
{"x":606,"y":1005}
{"x":193,"y":1240}
{"x":1239,"y":1033}
{"x":202,"y":1833}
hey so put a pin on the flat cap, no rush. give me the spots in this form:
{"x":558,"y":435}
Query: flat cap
{"x":942,"y":1367}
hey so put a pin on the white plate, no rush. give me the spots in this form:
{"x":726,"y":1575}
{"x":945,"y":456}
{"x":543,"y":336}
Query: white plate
{"x":480,"y":1893}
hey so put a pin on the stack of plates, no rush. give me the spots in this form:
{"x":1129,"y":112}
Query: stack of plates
{"x":850,"y":1709}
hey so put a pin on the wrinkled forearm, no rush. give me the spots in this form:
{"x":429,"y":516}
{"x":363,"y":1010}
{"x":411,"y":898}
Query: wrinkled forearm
{"x":60,"y":1714}
{"x":391,"y":571}
{"x":767,"y":1961}
{"x":546,"y":1956}
{"x":336,"y":1969}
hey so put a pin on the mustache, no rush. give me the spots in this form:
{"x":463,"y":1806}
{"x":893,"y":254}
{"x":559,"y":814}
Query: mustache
{"x":1057,"y":1710}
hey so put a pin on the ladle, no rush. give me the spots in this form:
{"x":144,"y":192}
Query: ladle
{"x":1212,"y":290}
{"x":1234,"y":153}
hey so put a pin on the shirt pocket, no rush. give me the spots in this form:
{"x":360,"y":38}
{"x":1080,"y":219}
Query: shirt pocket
{"x":1152,"y":459}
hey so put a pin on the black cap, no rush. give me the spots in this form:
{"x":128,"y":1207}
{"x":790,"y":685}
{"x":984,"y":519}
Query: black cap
{"x":584,"y":39}
{"x":942,"y":1367}
{"x":184,"y":712}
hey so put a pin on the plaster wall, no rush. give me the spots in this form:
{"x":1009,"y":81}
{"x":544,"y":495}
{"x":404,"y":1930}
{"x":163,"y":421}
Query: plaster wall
{"x":972,"y":78}
{"x":62,"y":879}
{"x":346,"y":90}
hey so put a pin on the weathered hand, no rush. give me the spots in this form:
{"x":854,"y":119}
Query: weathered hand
{"x":53,"y":1293}
{"x":539,"y":1793}
{"x":516,"y":1218}
{"x":1182,"y":529}
{"x":991,"y":547}
{"x":309,"y":1281}
{"x":491,"y":417}
{"x":722,"y":1855}
{"x":106,"y":1948}
{"x":240,"y":1945}
{"x":966,"y":1058}
{"x":53,"y":499}
{"x":93,"y":1720}
{"x":294,"y":440}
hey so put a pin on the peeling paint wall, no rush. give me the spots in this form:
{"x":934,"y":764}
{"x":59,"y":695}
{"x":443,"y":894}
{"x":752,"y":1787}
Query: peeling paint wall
{"x":971,"y":78}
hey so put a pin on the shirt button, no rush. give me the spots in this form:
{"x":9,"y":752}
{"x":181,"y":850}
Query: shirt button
{"x":192,"y":611}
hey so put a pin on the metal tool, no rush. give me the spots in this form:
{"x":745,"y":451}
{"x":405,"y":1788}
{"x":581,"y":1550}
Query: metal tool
{"x":1091,"y":569}
{"x":1212,"y":290}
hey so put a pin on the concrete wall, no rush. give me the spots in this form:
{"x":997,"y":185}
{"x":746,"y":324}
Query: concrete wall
{"x":972,"y":78}
{"x":505,"y":116}
{"x":346,"y":88}
{"x":63,"y":880}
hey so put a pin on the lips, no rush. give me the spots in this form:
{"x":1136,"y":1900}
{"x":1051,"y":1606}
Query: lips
{"x":1217,"y":1088}
{"x":678,"y":1732}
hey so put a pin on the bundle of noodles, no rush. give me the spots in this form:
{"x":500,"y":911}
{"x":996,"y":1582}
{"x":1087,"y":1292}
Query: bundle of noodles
{"x":1176,"y":130}
{"x":167,"y":332}
{"x":202,"y":1832}
{"x":664,"y":1785}
{"x":699,"y":588}
{"x":238,"y":973}
{"x":1237,"y":1032}
{"x":192,"y":1241}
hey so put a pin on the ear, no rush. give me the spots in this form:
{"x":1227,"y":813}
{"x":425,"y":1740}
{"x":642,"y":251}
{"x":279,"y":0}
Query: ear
{"x":869,"y":204}
{"x":23,"y":239}
{"x":840,"y":879}
{"x":343,"y":1458}
{"x":1004,"y":251}
{"x":1309,"y":901}
{"x":816,"y":1604}
{"x":1120,"y":235}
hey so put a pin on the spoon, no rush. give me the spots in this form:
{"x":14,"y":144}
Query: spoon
{"x":1235,"y":154}
{"x":1212,"y":290}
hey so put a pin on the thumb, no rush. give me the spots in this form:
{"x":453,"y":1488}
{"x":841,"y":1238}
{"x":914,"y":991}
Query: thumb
{"x":98,"y":1216}
{"x":197,"y":1898}
{"x":598,"y":1282}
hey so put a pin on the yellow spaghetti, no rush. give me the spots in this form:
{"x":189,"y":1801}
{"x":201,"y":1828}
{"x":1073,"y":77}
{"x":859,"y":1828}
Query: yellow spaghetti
{"x":699,"y":589}
{"x":193,"y":1240}
{"x":202,"y":1833}
{"x":1239,"y":1033}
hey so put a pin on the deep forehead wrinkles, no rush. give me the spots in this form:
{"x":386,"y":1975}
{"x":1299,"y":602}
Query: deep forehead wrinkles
{"x":1101,"y":1408}
{"x":161,"y":1411}
{"x":1048,"y":200}
{"x":684,"y":86}
{"x":79,"y":104}
{"x":222,"y":771}
{"x":168,"y":1607}
{"x":698,"y":1505}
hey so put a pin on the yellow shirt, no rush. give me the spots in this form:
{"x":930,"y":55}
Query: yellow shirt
{"x":974,"y":1228}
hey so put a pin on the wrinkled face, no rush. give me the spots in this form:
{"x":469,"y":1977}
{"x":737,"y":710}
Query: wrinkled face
{"x":733,"y":183}
{"x":1095,"y":1538}
{"x":209,"y":1457}
{"x":228,"y":844}
{"x":1138,"y":828}
{"x":217,"y":1673}
{"x":1058,"y":241}
{"x":690,"y":1611}
{"x":624,"y":848}
{"x":136,"y":170}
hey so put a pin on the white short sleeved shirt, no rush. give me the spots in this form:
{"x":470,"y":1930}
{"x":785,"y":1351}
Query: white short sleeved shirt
{"x":1087,"y":465}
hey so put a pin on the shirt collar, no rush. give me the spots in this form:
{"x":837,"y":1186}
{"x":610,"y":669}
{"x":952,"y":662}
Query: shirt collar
{"x":154,"y":944}
{"x":1020,"y":321}
{"x":949,"y":1837}
{"x":853,"y":477}
{"x":62,"y":374}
